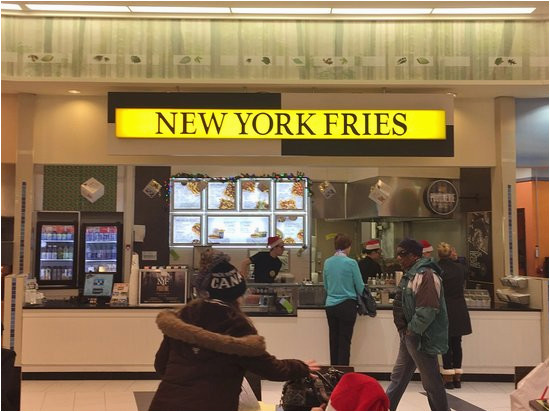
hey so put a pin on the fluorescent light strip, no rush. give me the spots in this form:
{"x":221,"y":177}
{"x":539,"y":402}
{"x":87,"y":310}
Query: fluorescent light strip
{"x":268,"y":10}
{"x":182,"y":10}
{"x":76,"y":7}
{"x":380,"y":11}
{"x":509,"y":10}
{"x":9,"y":6}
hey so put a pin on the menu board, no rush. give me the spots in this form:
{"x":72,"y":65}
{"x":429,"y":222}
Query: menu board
{"x":289,"y":195}
{"x":188,"y":195}
{"x":186,"y":229}
{"x":290,"y":229}
{"x":221,"y":195}
{"x":237,"y":229}
{"x":255,"y":194}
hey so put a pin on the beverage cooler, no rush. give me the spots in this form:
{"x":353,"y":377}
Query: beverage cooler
{"x":55,"y":259}
{"x":71,"y":244}
{"x":101,"y":249}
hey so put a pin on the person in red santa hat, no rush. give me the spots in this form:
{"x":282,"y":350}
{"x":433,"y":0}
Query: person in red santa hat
{"x":427,"y":249}
{"x":357,"y":392}
{"x":368,"y":265}
{"x":266,"y":264}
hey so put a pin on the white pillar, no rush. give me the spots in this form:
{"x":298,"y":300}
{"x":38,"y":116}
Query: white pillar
{"x":24,"y":184}
{"x":503,"y":186}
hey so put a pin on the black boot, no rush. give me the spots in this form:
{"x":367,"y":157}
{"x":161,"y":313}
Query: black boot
{"x":456,"y":378}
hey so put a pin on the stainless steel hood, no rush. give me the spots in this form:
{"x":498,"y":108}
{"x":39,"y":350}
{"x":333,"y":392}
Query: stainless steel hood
{"x":404,"y":200}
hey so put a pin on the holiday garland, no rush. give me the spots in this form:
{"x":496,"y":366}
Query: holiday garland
{"x":278,"y":177}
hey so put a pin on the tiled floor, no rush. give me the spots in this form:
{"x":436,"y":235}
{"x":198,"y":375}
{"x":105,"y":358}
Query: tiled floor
{"x":119,"y":395}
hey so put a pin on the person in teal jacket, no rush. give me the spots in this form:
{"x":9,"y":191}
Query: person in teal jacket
{"x":343,"y":282}
{"x":420,"y":315}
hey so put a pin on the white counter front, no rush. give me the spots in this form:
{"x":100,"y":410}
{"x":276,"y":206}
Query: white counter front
{"x":126,"y":340}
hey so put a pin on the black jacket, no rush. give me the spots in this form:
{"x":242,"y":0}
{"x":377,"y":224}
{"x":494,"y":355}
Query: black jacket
{"x":206,"y":350}
{"x":454,"y":275}
{"x":369,"y":268}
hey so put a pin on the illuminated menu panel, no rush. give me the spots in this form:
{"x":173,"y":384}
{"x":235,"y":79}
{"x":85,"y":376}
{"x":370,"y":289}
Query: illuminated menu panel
{"x":238,"y":229}
{"x":289,"y":195}
{"x":255,"y":194}
{"x":221,"y":195}
{"x":186,"y":229}
{"x":290,"y":229}
{"x":240,"y":212}
{"x":187,"y":194}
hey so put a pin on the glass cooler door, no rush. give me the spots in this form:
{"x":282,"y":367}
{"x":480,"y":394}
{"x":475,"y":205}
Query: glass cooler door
{"x":56,"y":254}
{"x":102,"y":248}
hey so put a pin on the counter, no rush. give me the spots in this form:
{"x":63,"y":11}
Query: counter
{"x":125,"y":339}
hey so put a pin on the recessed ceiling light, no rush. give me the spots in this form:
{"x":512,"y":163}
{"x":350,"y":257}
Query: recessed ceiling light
{"x":73,"y":91}
{"x":182,"y":10}
{"x":380,"y":11}
{"x":281,"y":10}
{"x":490,"y":10}
{"x":76,"y":7}
{"x":9,"y":6}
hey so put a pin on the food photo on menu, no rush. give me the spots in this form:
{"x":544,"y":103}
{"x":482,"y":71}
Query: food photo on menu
{"x":290,"y":229}
{"x":186,"y":229}
{"x":290,"y":195}
{"x":187,"y":194}
{"x":221,"y":195}
{"x":237,"y":229}
{"x":254,"y":195}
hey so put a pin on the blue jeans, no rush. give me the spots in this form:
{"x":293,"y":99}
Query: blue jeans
{"x":408,"y":359}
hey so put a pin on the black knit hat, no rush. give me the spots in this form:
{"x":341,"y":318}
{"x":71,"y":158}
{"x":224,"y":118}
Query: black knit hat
{"x":411,"y":246}
{"x":221,"y":279}
{"x":226,"y":283}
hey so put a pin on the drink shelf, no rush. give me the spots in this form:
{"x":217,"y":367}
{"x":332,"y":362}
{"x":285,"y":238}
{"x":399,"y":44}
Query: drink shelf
{"x":58,"y":240}
{"x":100,"y":260}
{"x":57,"y":260}
{"x":101,"y":241}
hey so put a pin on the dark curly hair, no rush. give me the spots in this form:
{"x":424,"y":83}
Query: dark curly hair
{"x":209,"y":259}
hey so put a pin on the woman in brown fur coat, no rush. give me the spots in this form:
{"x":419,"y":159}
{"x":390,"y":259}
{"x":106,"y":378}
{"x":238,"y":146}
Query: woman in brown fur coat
{"x":210,"y":343}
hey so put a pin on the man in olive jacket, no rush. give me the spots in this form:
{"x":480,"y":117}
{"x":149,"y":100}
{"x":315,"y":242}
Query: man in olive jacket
{"x":420,"y":315}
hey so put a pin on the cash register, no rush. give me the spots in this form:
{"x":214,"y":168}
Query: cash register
{"x":98,"y":288}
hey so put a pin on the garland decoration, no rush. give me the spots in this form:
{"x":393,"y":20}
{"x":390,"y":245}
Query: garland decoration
{"x":277,"y":177}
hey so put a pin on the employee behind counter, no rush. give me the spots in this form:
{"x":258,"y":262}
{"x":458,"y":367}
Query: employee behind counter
{"x":266,"y":264}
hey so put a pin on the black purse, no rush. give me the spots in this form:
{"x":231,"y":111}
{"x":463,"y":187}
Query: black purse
{"x":366,"y":305}
{"x":306,"y":393}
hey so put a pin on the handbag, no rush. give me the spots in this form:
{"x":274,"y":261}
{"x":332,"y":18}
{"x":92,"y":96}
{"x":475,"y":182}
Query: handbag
{"x":306,"y":393}
{"x":366,"y":305}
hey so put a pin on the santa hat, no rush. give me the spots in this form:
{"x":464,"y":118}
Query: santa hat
{"x":372,"y":244}
{"x":426,"y":247}
{"x":273,"y":241}
{"x":358,"y":392}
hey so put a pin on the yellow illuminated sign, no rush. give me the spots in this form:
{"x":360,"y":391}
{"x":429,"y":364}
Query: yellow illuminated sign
{"x":279,"y":124}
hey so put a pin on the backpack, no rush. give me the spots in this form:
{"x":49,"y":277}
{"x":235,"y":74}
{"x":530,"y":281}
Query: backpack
{"x":306,"y":393}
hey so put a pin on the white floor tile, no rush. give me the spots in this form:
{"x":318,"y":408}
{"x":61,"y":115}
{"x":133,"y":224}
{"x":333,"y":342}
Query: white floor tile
{"x":120,"y":401}
{"x":144,"y":386}
{"x":31,"y":401}
{"x":89,"y":401}
{"x":35,"y":386}
{"x":58,"y":401}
